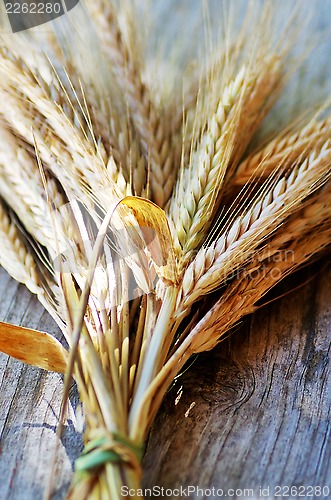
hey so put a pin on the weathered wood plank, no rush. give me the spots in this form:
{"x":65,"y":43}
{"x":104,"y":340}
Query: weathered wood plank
{"x":30,"y":400}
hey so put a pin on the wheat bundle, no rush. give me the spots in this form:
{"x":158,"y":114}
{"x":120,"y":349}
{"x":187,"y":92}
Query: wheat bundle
{"x":118,"y":208}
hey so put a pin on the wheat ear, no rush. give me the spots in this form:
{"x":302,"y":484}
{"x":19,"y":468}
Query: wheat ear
{"x":26,"y":122}
{"x":15,"y":257}
{"x":125,"y":152}
{"x":155,"y":137}
{"x":90,"y":110}
{"x":239,"y":111}
{"x":205,"y":173}
{"x":88,"y":160}
{"x":22,"y":188}
{"x":74,"y":170}
{"x":241,"y":297}
{"x":314,"y":215}
{"x":20,"y":262}
{"x":212,"y":265}
{"x":238,"y":300}
{"x":281,"y":152}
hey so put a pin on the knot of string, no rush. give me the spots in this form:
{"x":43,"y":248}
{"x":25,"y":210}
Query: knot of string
{"x":109,"y":448}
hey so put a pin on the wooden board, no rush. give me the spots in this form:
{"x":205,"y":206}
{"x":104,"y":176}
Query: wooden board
{"x":30,"y":400}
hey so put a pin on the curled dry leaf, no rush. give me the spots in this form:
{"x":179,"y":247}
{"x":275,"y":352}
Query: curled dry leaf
{"x":33,"y":347}
{"x":159,"y":240}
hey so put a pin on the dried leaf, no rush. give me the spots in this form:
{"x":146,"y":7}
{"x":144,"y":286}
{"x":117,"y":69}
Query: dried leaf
{"x":149,"y":215}
{"x":33,"y":347}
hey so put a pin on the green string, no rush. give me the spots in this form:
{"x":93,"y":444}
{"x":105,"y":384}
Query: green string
{"x":94,"y":456}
